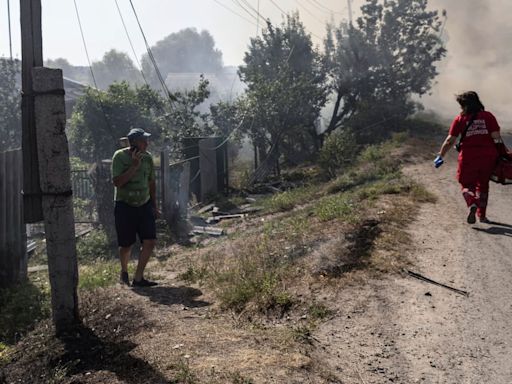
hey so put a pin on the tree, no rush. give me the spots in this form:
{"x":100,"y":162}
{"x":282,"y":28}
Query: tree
{"x":182,"y":116}
{"x":10,"y":107}
{"x":184,"y":51}
{"x":115,"y":67}
{"x":81,"y":74}
{"x":378,"y":64}
{"x":285,"y":89}
{"x":101,"y":118}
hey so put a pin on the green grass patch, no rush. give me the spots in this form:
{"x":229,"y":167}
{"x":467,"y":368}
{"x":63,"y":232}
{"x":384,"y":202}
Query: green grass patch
{"x":317,"y":311}
{"x":249,"y":284}
{"x":421,"y":195}
{"x":22,"y":307}
{"x":184,"y":374}
{"x":194,"y":274}
{"x":100,"y":274}
{"x":288,"y":200}
{"x":338,"y":206}
{"x":302,"y":334}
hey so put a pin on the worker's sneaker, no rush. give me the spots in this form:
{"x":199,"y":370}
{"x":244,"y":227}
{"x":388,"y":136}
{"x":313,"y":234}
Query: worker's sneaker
{"x":124,"y":279}
{"x":485,"y":220}
{"x":472,"y":214}
{"x":143,"y":283}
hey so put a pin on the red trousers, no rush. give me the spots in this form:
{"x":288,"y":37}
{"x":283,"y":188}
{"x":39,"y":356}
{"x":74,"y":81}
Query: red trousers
{"x":475,"y":169}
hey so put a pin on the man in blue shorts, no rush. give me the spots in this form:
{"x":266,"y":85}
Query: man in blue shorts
{"x":133,"y":173}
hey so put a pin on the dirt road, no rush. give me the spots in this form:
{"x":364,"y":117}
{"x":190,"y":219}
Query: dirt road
{"x":408,"y":331}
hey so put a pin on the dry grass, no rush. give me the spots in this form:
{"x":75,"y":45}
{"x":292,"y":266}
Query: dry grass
{"x":258,"y":294}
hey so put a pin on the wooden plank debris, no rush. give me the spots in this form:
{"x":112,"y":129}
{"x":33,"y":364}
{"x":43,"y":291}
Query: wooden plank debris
{"x":213,"y":231}
{"x":216,"y":219}
{"x":206,"y":208}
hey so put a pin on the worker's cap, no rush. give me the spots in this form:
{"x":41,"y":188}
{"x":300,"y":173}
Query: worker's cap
{"x":137,"y":133}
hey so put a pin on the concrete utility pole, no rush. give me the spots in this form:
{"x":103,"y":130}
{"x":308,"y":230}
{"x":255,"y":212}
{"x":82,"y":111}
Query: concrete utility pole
{"x":55,"y":178}
{"x":350,"y":16}
{"x":32,"y":56}
{"x":46,"y":155}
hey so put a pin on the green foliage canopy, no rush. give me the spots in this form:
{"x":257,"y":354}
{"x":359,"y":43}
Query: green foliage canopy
{"x":101,"y":118}
{"x":285,"y":87}
{"x":383,"y":60}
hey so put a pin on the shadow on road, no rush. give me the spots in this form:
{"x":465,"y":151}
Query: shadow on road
{"x":499,"y":224}
{"x":503,"y":231}
{"x":173,"y":295}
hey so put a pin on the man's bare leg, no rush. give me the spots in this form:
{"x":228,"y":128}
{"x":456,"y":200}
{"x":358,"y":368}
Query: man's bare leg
{"x":147,"y":249}
{"x":124,"y":256}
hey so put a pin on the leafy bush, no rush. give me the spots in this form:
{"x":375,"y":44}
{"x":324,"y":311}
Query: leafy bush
{"x":339,"y":151}
{"x":93,"y":246}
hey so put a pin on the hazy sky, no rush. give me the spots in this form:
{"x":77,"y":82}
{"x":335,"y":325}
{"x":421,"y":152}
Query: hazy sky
{"x":479,"y":52}
{"x":103,"y":29}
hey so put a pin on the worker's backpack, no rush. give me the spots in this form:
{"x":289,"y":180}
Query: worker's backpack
{"x":503,"y":171}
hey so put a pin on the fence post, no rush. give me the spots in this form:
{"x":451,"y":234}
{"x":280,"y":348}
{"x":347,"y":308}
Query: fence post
{"x":166,"y":187}
{"x":208,"y":167}
{"x":13,"y":240}
{"x":55,"y":181}
{"x":184,"y":191}
{"x":104,"y":191}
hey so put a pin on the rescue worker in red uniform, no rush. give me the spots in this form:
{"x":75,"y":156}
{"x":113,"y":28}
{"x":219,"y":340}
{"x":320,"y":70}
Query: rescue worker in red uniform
{"x":480,"y":136}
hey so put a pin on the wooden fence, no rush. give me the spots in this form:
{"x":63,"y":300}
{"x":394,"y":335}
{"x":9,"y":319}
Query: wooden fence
{"x":13,"y":238}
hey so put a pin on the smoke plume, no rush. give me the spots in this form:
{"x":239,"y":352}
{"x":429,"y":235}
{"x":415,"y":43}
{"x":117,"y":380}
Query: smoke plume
{"x":479,"y":56}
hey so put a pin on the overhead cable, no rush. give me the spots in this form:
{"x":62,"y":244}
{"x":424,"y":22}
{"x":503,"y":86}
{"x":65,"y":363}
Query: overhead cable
{"x":309,"y":12}
{"x":235,"y":12}
{"x":100,"y":102}
{"x":236,"y":2}
{"x":320,"y":6}
{"x":152,"y":58}
{"x":131,"y":44}
{"x":284,"y":13}
{"x":85,"y":45}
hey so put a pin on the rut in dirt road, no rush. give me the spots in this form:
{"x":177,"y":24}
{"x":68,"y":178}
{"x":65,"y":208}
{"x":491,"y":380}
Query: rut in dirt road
{"x":404,"y":330}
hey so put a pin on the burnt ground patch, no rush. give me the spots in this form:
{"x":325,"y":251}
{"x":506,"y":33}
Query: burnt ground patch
{"x":350,"y":252}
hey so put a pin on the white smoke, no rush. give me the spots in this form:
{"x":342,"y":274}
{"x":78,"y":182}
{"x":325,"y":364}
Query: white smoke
{"x":479,"y":56}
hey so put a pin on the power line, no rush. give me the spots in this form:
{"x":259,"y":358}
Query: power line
{"x":308,"y":11}
{"x":152,"y":58}
{"x":236,"y":2}
{"x":100,"y":102}
{"x":130,"y":41}
{"x":320,"y":6}
{"x":85,"y":45}
{"x":235,"y":12}
{"x":283,"y":12}
{"x":257,"y":12}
